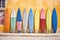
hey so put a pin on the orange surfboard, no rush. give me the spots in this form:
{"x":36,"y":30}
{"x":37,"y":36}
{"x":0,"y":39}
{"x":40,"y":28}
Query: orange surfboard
{"x":7,"y":20}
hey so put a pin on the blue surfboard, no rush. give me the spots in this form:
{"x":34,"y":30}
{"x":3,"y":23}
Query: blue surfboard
{"x":19,"y":21}
{"x":31,"y":21}
{"x":54,"y":20}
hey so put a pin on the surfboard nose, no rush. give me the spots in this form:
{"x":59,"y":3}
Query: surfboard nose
{"x":19,"y":17}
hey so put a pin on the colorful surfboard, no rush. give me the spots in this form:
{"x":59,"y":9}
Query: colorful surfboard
{"x":37,"y":16}
{"x":42,"y":21}
{"x":48,"y":20}
{"x":25,"y":21}
{"x":13,"y":21}
{"x":19,"y":21}
{"x":54,"y":20}
{"x":7,"y":20}
{"x":31,"y":21}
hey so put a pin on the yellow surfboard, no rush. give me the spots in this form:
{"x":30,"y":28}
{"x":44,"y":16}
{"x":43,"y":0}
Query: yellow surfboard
{"x":37,"y":16}
{"x":48,"y":20}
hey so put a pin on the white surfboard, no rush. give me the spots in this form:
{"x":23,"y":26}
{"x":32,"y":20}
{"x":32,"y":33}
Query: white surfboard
{"x":25,"y":21}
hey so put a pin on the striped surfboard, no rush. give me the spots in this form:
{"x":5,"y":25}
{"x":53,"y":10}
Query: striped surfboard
{"x":13,"y":21}
{"x":42,"y":21}
{"x":19,"y":21}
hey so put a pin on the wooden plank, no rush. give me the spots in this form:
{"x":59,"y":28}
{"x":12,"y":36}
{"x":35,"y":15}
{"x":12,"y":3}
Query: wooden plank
{"x":31,"y":34}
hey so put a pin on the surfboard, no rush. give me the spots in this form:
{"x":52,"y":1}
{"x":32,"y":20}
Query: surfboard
{"x":13,"y":20}
{"x":19,"y":21}
{"x":42,"y":21}
{"x":31,"y":21}
{"x":54,"y":20}
{"x":37,"y":16}
{"x":7,"y":20}
{"x":48,"y":21}
{"x":25,"y":20}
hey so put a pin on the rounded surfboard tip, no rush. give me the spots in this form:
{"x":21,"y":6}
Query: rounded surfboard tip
{"x":42,"y":14}
{"x":19,"y":18}
{"x":13,"y":14}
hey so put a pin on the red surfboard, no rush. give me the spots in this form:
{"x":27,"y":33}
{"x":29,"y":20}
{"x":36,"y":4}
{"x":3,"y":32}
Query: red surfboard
{"x":42,"y":21}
